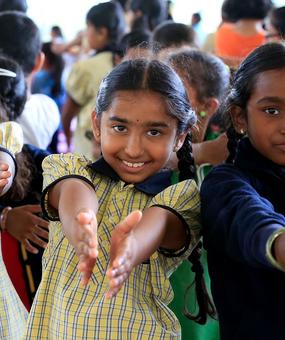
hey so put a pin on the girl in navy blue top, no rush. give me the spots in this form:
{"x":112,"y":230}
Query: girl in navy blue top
{"x":243,"y":203}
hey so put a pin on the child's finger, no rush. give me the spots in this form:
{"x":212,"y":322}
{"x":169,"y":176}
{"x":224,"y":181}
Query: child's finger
{"x":85,"y":217}
{"x":114,"y":272}
{"x":5,"y":174}
{"x":4,"y":166}
{"x":130,"y":221}
{"x":3,"y":182}
{"x":116,"y":285}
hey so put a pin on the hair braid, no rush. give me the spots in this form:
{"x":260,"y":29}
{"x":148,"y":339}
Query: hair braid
{"x":185,"y":157}
{"x":233,"y":140}
{"x":186,"y":168}
{"x":206,"y":306}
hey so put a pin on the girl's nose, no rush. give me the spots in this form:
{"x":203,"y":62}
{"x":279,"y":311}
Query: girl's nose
{"x":134,"y":147}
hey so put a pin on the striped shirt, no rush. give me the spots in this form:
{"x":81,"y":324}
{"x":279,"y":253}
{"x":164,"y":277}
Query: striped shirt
{"x":13,"y":314}
{"x":63,"y":309}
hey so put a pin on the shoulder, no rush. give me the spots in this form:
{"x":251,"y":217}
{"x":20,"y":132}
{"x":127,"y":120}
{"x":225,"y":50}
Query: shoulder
{"x":67,"y":161}
{"x":101,"y":59}
{"x":184,"y":195}
{"x":41,"y":102}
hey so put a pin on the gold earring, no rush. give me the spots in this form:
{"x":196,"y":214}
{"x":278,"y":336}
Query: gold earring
{"x":242,"y":131}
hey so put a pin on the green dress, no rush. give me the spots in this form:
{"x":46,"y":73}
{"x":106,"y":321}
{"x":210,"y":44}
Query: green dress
{"x":183,"y":277}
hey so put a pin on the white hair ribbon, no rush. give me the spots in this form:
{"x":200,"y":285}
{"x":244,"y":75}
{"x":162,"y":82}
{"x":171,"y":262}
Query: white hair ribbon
{"x":7,"y":73}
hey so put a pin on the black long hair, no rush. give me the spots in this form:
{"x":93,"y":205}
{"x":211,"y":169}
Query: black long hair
{"x":109,"y":15}
{"x":266,"y":57}
{"x":152,"y":13}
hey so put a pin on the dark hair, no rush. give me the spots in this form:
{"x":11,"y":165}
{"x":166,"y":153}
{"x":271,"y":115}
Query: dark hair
{"x":19,"y":39}
{"x":57,"y":31}
{"x":153,"y":12}
{"x":109,"y":15}
{"x":277,"y":20}
{"x":56,"y":66}
{"x":12,"y":101}
{"x":206,"y":73}
{"x":267,"y":57}
{"x":173,"y":34}
{"x":12,"y":91}
{"x":250,"y":9}
{"x":136,"y":38}
{"x":13,"y":5}
{"x":196,"y":17}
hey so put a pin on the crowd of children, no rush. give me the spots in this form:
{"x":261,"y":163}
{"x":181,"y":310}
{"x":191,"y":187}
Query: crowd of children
{"x":167,"y":220}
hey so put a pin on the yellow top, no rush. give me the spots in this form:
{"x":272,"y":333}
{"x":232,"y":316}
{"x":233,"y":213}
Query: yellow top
{"x":82,"y":86}
{"x":63,"y":309}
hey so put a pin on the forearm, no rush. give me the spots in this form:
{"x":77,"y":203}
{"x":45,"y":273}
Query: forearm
{"x":71,"y":196}
{"x":69,"y":111}
{"x":158,"y":227}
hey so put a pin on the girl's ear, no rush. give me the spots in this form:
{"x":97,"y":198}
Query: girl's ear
{"x":179,"y":141}
{"x":96,"y":127}
{"x":239,"y":119}
{"x":39,"y":62}
{"x":212,"y":105}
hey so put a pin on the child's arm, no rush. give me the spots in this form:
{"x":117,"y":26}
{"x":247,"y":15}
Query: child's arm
{"x":138,"y":237}
{"x":77,"y":207}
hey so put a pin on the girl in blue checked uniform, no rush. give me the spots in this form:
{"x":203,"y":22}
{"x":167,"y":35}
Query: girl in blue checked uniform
{"x":243,"y":210}
{"x":99,"y":235}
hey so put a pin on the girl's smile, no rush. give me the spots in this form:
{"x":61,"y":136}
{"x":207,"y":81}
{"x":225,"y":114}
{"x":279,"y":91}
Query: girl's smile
{"x":137,"y":135}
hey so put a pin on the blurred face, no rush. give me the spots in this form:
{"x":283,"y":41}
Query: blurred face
{"x":137,"y":135}
{"x":265,"y":122}
{"x":97,"y":37}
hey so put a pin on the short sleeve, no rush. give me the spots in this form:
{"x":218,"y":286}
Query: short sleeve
{"x":59,"y":167}
{"x":78,"y":82}
{"x":182,"y":199}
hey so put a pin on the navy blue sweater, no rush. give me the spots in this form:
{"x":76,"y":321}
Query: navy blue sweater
{"x":242,"y":205}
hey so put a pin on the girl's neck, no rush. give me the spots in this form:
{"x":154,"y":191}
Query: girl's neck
{"x":249,"y":26}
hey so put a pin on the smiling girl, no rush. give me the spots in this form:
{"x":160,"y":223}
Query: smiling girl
{"x":142,"y":115}
{"x":243,"y":210}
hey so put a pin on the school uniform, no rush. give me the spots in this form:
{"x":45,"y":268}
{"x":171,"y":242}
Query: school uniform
{"x":82,"y":86}
{"x":63,"y":308}
{"x":243,"y":206}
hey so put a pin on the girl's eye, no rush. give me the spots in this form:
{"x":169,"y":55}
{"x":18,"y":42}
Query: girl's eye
{"x":154,"y":133}
{"x":272,"y":111}
{"x":119,"y":128}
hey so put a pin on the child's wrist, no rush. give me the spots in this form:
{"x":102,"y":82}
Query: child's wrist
{"x":3,"y":218}
{"x":275,"y":249}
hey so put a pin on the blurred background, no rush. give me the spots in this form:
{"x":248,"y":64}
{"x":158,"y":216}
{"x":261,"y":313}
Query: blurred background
{"x":70,"y":15}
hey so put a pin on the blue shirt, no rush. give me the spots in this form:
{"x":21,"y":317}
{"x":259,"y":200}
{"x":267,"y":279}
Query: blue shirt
{"x":242,"y":205}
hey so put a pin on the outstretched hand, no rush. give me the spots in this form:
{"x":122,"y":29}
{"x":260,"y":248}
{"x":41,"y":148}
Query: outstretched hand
{"x":122,"y":253}
{"x":85,"y":243}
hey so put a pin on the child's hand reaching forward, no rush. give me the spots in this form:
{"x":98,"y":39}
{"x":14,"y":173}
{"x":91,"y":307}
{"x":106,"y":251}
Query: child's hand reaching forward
{"x":122,"y":254}
{"x":85,"y":243}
